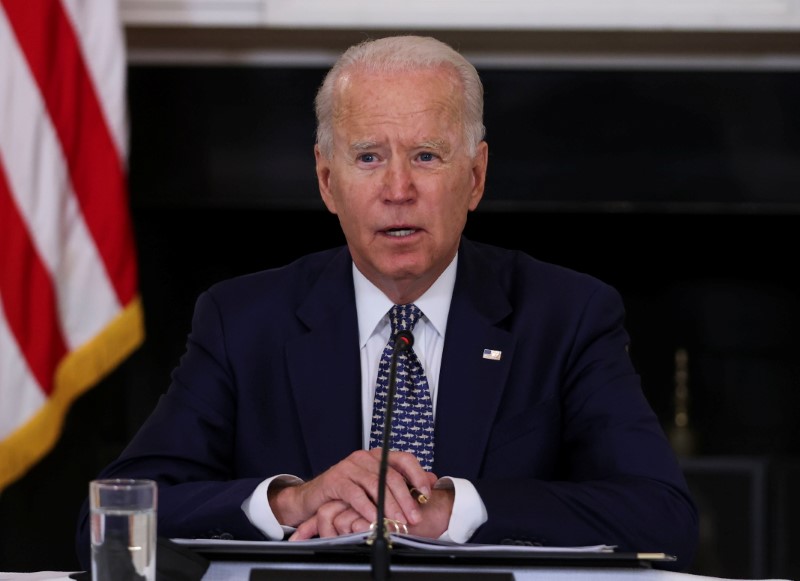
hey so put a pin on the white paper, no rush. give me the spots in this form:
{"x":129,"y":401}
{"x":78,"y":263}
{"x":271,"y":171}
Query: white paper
{"x":398,"y":540}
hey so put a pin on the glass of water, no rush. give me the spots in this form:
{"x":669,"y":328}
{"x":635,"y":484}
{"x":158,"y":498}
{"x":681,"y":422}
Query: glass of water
{"x":123,"y":513}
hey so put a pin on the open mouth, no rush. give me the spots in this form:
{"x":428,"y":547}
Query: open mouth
{"x":399,"y":232}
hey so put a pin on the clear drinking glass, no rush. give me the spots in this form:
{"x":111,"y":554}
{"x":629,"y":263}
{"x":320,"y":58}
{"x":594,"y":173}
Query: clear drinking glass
{"x":123,"y":513}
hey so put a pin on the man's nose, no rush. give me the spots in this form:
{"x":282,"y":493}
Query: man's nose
{"x":399,"y":180}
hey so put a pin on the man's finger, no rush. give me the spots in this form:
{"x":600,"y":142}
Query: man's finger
{"x":306,"y":530}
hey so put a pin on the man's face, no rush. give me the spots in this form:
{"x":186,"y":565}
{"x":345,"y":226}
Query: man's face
{"x":400,"y":178}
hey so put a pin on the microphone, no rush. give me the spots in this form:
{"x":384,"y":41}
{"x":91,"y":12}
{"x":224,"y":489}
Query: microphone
{"x":403,"y":341}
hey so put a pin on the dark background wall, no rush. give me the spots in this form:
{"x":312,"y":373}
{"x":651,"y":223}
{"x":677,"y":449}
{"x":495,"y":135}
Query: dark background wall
{"x":679,"y":187}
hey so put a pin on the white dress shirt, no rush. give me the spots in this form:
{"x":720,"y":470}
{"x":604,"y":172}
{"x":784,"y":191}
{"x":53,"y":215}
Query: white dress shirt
{"x":374,"y":329}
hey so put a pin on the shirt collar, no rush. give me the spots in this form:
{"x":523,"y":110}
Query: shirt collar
{"x":372,"y":305}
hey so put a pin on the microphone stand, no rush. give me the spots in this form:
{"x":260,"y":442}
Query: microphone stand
{"x":380,"y":543}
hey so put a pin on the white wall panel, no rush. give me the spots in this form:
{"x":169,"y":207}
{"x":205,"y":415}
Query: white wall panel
{"x":712,"y":15}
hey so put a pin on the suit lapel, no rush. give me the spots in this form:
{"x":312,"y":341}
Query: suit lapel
{"x":470,"y":385}
{"x":324,"y":368}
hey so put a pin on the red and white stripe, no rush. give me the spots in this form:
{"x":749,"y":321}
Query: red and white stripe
{"x":69,"y":306}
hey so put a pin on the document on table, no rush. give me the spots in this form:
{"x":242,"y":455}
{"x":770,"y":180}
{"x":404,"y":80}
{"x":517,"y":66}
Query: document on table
{"x":356,"y":540}
{"x":358,"y":545}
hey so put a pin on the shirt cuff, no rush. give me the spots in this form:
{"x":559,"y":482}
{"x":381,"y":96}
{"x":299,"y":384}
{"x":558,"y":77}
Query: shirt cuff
{"x":469,"y":512}
{"x":258,"y":511}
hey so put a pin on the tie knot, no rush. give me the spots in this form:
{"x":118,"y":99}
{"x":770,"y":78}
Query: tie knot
{"x":404,"y":317}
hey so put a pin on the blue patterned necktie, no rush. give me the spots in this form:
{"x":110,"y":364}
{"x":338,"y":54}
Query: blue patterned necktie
{"x":412,"y":415}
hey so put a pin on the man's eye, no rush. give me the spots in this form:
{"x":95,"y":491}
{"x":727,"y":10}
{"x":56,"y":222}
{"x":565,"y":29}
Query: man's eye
{"x":366,"y":158}
{"x":427,"y":156}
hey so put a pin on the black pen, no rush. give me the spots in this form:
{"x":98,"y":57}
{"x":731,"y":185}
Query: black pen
{"x":418,"y":495}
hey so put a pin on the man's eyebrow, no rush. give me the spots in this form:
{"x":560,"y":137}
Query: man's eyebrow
{"x":363,"y":145}
{"x":435,"y":144}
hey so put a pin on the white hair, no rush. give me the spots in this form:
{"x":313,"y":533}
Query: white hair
{"x":402,"y":53}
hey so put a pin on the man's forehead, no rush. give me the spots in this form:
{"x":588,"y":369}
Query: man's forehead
{"x":359,"y":88}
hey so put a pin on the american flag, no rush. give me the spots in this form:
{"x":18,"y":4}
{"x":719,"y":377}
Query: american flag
{"x":69,"y":305}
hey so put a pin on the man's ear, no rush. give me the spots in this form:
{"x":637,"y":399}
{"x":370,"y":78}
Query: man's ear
{"x":479,"y":165}
{"x":323,"y":169}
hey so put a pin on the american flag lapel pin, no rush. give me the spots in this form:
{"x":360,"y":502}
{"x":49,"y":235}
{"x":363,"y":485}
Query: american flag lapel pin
{"x":492,"y":354}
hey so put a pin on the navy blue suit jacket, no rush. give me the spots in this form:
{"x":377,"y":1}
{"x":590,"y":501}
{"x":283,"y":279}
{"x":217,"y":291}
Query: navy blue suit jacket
{"x":557,"y":435}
